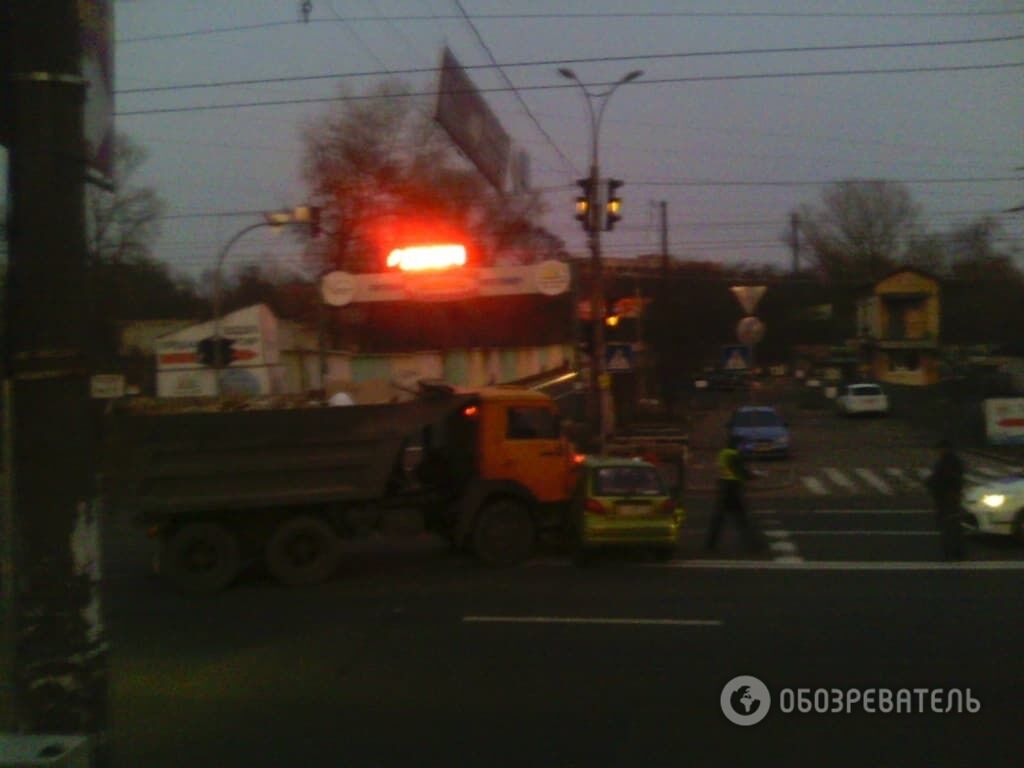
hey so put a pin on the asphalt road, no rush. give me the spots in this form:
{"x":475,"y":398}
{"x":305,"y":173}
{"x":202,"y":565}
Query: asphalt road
{"x":414,"y":656}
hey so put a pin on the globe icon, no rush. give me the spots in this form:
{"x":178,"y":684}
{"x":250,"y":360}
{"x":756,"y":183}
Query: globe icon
{"x":744,"y":701}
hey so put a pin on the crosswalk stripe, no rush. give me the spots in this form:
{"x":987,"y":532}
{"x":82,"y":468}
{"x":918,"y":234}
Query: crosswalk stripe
{"x":901,"y":477}
{"x":839,"y":478}
{"x":874,"y":480}
{"x":976,"y":478}
{"x":814,"y":485}
{"x":993,"y":472}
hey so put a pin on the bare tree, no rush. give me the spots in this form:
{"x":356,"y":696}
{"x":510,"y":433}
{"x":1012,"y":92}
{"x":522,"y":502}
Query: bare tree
{"x":123,"y":224}
{"x":385,"y":175}
{"x":861,"y":229}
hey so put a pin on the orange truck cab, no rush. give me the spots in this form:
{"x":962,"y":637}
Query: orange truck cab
{"x":523,"y":477}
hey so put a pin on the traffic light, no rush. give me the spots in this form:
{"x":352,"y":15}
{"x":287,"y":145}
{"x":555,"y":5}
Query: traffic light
{"x":314,"y":221}
{"x":207,"y":350}
{"x":613,"y":208}
{"x":583,"y":203}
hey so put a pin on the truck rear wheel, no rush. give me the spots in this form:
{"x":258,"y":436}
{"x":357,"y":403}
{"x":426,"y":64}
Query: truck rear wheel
{"x":303,"y":550}
{"x":201,"y":558}
{"x":505,"y":533}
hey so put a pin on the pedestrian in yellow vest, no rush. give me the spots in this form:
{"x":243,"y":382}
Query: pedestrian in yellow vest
{"x":731,"y":498}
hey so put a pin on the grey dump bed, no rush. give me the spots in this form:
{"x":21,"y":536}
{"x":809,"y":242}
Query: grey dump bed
{"x":156,"y":465}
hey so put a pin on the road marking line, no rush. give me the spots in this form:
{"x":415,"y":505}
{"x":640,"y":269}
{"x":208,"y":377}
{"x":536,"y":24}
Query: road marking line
{"x":839,"y":478}
{"x":844,"y":565}
{"x":593,"y":621}
{"x":870,"y":512}
{"x":789,"y":559}
{"x":783,"y":547}
{"x":814,"y":485}
{"x":874,"y":480}
{"x":863,"y":533}
{"x":776,"y":534}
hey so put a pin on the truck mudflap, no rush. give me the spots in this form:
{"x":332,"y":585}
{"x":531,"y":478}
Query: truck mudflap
{"x":168,"y":464}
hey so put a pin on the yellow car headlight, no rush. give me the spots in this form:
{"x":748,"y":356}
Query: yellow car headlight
{"x":993,"y":500}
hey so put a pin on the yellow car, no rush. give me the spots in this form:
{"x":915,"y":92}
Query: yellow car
{"x":623,"y":502}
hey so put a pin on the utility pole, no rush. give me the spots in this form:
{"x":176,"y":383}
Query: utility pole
{"x":598,"y":195}
{"x":599,"y":381}
{"x":59,"y":669}
{"x":794,"y":240}
{"x":664,"y":240}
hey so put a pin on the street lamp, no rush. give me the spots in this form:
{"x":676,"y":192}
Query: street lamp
{"x":599,"y":392}
{"x":305,"y":214}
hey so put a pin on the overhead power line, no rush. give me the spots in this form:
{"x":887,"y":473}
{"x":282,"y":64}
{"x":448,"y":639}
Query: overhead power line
{"x":809,"y":183}
{"x":648,"y":82}
{"x":635,"y":15}
{"x":564,"y":62}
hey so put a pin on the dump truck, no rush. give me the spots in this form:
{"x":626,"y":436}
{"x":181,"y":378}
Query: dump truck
{"x":490,"y":470}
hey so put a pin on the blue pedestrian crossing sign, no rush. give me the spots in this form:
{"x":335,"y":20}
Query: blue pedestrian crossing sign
{"x":735,"y":357}
{"x":618,"y":357}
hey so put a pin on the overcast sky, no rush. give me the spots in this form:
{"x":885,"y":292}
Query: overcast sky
{"x":732,"y":157}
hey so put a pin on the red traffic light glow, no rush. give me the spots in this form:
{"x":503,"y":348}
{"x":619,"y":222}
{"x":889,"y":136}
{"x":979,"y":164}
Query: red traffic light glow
{"x":427,"y":257}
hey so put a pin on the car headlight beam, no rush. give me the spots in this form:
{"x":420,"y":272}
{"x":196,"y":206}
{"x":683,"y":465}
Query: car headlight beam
{"x":993,"y":500}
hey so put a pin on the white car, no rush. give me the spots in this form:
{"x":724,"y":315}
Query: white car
{"x":862,"y":398}
{"x":997,"y":507}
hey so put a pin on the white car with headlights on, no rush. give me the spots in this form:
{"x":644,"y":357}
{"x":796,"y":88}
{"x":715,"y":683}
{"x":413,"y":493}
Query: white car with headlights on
{"x":997,"y":507}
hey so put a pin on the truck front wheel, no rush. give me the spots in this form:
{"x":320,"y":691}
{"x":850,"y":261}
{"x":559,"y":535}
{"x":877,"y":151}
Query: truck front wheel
{"x":303,"y":550}
{"x":505,"y":533}
{"x":200,"y":558}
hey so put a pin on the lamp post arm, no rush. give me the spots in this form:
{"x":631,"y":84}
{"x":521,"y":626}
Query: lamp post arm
{"x":217,"y":362}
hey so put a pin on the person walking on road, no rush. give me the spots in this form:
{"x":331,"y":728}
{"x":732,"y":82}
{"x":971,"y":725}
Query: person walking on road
{"x":946,"y":484}
{"x":731,"y":498}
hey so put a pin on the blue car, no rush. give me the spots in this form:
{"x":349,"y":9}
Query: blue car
{"x":761,"y":431}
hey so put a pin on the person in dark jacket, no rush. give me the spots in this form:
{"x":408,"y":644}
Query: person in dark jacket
{"x":946,"y":484}
{"x":731,"y":497}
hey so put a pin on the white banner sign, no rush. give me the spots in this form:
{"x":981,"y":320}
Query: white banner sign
{"x":1004,"y":420}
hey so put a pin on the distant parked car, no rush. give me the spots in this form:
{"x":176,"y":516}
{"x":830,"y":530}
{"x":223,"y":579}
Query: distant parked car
{"x":996,"y":507}
{"x":862,"y":398}
{"x":761,"y":431}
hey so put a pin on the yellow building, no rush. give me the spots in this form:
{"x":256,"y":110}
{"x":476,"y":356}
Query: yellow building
{"x":898,"y":328}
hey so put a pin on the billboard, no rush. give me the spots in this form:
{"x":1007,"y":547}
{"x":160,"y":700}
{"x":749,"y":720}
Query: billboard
{"x":470,"y":123}
{"x":1004,"y":420}
{"x":549,"y":278}
{"x":96,"y":18}
{"x":185,"y":358}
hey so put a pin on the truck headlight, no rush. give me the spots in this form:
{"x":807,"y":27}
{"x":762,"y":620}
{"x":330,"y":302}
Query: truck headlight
{"x":993,"y":500}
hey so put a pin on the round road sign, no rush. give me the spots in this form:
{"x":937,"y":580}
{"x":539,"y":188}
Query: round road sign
{"x":750,"y":330}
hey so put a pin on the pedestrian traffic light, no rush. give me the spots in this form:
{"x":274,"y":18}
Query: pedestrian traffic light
{"x":583,"y":203}
{"x":314,"y":221}
{"x":613,"y":208}
{"x":207,"y":351}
